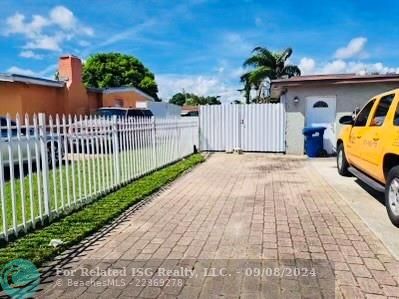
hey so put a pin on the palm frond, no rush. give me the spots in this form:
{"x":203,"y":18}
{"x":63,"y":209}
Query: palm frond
{"x":244,"y":77}
{"x":261,"y":56}
{"x":263,"y":51}
{"x":261,"y":73}
{"x":285,"y":54}
{"x":290,"y":71}
{"x":258,"y":60}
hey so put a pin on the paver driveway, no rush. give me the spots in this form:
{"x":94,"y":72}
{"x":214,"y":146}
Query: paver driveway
{"x":273,"y":210}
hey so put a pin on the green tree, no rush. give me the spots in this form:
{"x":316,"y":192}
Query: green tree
{"x":178,"y":99}
{"x":266,"y":65}
{"x":105,"y":70}
{"x":193,"y":99}
{"x":247,"y":87}
{"x":212,"y":101}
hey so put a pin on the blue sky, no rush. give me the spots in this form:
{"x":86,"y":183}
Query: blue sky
{"x":199,"y":45}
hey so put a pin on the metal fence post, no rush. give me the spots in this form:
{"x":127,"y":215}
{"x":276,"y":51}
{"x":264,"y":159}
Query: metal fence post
{"x":115,"y":142}
{"x":44,"y":158}
{"x":154,"y":143}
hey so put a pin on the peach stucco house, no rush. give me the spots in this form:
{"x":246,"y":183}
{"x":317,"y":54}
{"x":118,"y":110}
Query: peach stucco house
{"x":25,"y":94}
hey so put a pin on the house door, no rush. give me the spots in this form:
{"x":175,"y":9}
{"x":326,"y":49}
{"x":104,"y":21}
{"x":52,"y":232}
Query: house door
{"x":320,"y":112}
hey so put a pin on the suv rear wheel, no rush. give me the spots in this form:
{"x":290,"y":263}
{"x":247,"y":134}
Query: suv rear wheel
{"x":342,"y":163}
{"x":392,"y":195}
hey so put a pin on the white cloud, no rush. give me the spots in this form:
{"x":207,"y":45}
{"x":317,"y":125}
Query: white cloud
{"x":45,"y":42}
{"x":339,"y":66}
{"x":63,"y":17}
{"x":354,"y":47}
{"x":47,"y":32}
{"x":170,"y":84}
{"x":307,"y":65}
{"x":342,"y":63}
{"x":30,"y":54}
{"x":47,"y":72}
{"x":21,"y":71}
{"x":16,"y":25}
{"x":223,"y":82}
{"x":130,"y":32}
{"x":334,"y":67}
{"x":379,"y":67}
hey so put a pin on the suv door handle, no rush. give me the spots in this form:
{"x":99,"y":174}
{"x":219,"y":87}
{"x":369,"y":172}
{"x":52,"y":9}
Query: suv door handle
{"x":376,"y":138}
{"x":358,"y":136}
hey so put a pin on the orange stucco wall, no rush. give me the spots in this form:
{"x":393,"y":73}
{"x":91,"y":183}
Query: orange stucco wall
{"x":94,"y":100}
{"x":22,"y":98}
{"x":29,"y":98}
{"x":128,"y":99}
{"x":73,"y":98}
{"x":10,"y":101}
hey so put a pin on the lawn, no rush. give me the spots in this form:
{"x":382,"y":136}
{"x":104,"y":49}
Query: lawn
{"x":73,"y":184}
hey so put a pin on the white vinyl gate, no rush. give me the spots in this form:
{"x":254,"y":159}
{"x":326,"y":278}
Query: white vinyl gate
{"x":252,"y":128}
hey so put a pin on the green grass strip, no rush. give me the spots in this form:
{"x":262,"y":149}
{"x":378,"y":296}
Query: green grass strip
{"x":75,"y":227}
{"x":74,"y":176}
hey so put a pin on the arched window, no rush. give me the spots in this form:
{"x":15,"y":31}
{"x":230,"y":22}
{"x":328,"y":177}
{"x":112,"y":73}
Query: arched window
{"x":320,"y":104}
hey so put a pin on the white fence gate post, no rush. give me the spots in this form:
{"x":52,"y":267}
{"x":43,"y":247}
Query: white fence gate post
{"x":154,"y":144}
{"x":115,"y":141}
{"x":44,"y":158}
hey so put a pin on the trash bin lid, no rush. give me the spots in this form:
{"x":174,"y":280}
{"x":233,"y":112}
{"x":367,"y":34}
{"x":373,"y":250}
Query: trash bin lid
{"x":311,"y":130}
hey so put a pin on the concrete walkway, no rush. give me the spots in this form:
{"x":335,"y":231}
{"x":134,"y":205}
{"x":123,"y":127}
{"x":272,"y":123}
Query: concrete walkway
{"x":366,"y":202}
{"x":247,"y":226}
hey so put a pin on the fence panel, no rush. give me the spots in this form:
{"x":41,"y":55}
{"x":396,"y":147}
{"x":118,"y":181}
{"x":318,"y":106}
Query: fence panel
{"x":50,"y":166}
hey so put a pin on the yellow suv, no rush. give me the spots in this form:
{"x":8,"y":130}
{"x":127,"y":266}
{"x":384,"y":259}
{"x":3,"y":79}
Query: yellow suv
{"x":368,"y":147}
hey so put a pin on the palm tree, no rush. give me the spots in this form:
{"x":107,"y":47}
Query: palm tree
{"x":267,"y":65}
{"x":247,"y":87}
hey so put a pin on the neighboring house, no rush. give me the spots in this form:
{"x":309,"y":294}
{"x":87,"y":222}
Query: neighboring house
{"x":25,"y":94}
{"x":321,"y":100}
{"x":188,"y":110}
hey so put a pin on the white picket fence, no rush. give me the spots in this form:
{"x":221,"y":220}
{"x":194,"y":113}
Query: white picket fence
{"x":51,"y":166}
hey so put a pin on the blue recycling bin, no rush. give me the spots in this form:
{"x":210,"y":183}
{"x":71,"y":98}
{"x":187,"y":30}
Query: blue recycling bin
{"x":313,"y":140}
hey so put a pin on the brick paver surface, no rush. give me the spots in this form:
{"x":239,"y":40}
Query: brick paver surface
{"x":266,"y":211}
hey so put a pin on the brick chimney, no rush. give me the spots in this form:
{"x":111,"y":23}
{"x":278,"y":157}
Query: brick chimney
{"x":76,"y":98}
{"x":70,"y":69}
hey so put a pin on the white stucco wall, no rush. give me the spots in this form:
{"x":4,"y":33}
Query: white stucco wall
{"x":349,"y":96}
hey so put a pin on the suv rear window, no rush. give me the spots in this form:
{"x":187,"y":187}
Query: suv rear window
{"x":111,"y":112}
{"x":361,"y":119}
{"x":139,"y":112}
{"x":382,"y":110}
{"x":124,"y":112}
{"x":396,"y":117}
{"x":134,"y":113}
{"x":147,"y":113}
